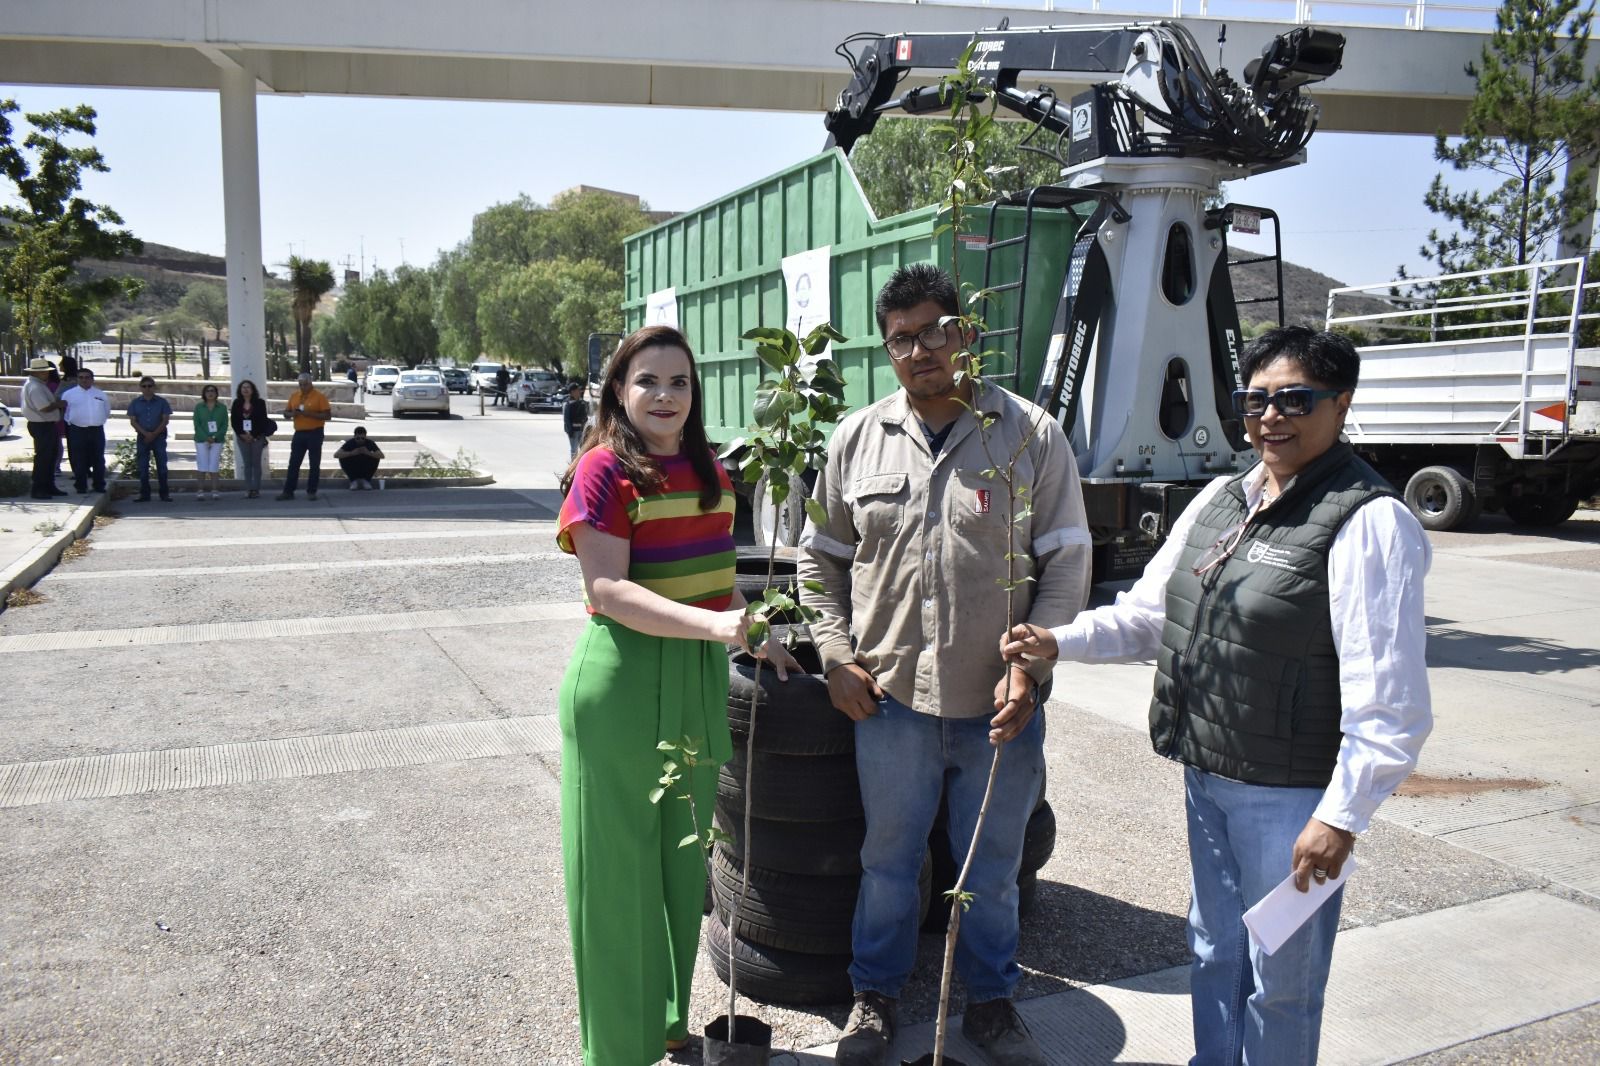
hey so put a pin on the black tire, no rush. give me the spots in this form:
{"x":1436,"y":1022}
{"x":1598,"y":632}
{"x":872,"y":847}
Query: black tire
{"x":793,"y":788}
{"x":1039,"y":839}
{"x":795,"y":716}
{"x":823,"y":849}
{"x":1027,"y":893}
{"x":750,"y":576}
{"x":1441,"y":497}
{"x":1542,"y":511}
{"x":772,"y":975}
{"x":793,"y":912}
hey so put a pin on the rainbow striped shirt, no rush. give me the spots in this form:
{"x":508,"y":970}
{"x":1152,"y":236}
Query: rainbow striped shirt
{"x":679,"y":551}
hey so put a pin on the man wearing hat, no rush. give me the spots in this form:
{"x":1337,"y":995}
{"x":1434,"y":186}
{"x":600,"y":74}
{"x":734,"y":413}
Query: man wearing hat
{"x":310,"y":410}
{"x":43,"y":413}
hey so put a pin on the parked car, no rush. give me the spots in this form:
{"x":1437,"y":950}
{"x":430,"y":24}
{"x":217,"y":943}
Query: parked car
{"x":420,"y":391}
{"x":483,"y":376}
{"x":382,"y":378}
{"x":456,"y":379}
{"x":547,"y":391}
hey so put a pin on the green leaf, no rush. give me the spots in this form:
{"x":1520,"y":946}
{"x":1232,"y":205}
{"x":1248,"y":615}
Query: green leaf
{"x":772,"y":355}
{"x":656,"y":794}
{"x":692,"y":838}
{"x":812,"y":585}
{"x":666,"y":745}
{"x":766,"y":335}
{"x":758,"y":631}
{"x":818,"y":514}
{"x":752,"y":473}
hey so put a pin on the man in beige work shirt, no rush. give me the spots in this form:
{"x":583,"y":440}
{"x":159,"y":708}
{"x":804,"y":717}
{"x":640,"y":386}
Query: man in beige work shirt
{"x":912,"y":561}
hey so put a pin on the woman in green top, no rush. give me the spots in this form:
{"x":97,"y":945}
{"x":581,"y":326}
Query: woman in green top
{"x":210,"y":431}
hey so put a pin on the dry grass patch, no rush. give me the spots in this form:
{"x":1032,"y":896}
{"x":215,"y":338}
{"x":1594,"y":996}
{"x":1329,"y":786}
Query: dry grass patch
{"x":76,"y":550}
{"x":23,"y":598}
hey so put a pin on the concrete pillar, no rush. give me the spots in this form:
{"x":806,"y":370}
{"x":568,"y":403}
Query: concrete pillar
{"x":241,"y":201}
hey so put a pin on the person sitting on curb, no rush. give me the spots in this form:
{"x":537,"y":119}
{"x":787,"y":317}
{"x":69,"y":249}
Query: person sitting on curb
{"x":358,"y":458}
{"x":310,"y":410}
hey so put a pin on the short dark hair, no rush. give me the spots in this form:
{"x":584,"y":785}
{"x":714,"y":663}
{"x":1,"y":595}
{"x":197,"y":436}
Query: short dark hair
{"x":1329,"y":358}
{"x":913,"y":285}
{"x":146,"y":380}
{"x":361,"y":431}
{"x":82,"y":370}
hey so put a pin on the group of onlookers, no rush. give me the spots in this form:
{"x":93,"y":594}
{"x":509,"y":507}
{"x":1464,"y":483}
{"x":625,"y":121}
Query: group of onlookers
{"x":80,"y":412}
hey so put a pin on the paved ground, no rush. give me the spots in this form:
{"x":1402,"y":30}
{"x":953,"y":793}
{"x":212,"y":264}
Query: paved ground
{"x":278,"y":782}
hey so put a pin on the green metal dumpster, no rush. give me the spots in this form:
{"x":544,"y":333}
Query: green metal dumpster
{"x":723,"y":264}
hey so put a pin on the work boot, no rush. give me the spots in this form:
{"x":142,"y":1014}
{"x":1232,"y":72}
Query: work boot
{"x":869,"y":1034}
{"x":995,"y":1028}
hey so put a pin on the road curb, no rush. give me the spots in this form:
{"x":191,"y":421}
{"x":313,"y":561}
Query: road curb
{"x":39,"y":561}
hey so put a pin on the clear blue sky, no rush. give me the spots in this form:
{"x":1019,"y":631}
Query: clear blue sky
{"x":338,"y":173}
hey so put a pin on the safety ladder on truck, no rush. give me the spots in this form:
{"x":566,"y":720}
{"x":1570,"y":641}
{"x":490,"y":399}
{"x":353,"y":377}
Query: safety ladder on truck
{"x":1040,"y":197}
{"x":1243,"y":218}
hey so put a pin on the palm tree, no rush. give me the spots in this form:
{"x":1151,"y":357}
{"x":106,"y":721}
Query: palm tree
{"x":310,"y":279}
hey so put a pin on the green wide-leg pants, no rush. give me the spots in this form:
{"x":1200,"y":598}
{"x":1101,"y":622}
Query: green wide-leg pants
{"x":634,"y":897}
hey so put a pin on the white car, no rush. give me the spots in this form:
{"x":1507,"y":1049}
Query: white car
{"x":420,"y":391}
{"x":483,"y":376}
{"x":5,"y":420}
{"x":382,"y":378}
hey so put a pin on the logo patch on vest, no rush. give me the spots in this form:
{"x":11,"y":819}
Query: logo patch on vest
{"x":981,"y":505}
{"x":1265,"y":554}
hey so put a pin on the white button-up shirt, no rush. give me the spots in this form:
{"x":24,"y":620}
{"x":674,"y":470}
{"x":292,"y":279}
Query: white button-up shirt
{"x":1376,"y":566}
{"x":86,"y":407}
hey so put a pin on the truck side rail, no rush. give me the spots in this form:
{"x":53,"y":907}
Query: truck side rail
{"x":1483,"y":356}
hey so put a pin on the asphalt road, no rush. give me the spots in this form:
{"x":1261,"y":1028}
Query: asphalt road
{"x":278,"y":781}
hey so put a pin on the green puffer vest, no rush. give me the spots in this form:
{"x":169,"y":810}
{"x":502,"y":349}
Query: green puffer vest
{"x":1247,"y":683}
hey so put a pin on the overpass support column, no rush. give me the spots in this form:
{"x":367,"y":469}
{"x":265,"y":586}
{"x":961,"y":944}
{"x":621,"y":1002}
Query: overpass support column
{"x":241,"y":201}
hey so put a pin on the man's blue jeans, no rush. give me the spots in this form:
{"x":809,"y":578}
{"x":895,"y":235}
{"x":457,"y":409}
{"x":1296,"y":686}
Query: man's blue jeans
{"x":905,"y":760}
{"x":306,"y":443}
{"x":142,"y":451}
{"x":1250,"y":1007}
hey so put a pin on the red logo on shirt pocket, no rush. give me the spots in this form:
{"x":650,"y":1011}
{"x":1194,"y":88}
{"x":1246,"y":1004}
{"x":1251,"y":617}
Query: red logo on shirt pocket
{"x":983,"y":502}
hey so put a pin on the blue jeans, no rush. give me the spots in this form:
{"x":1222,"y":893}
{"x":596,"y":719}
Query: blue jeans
{"x":142,"y":451}
{"x":905,"y":760}
{"x":305,"y":443}
{"x":1250,"y":1007}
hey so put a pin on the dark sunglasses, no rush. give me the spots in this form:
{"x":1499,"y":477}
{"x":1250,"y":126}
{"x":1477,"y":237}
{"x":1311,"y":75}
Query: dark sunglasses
{"x":1293,"y":401}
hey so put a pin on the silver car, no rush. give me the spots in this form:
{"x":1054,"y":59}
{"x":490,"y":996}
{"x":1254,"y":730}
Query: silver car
{"x":420,"y":391}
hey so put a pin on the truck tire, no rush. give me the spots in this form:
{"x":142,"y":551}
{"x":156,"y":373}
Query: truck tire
{"x":783,"y":524}
{"x":750,"y":576}
{"x":792,"y":788}
{"x":772,"y":975}
{"x":795,"y":717}
{"x":1441,"y":498}
{"x":826,"y":849}
{"x":1541,"y":511}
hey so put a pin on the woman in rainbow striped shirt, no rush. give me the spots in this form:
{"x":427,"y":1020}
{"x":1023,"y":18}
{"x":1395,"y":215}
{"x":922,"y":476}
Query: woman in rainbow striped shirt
{"x":649,"y":514}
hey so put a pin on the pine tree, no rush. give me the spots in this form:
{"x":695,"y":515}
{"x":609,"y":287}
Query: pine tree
{"x":1534,"y":122}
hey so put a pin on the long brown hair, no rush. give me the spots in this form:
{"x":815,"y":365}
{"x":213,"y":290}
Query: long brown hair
{"x":613,"y":430}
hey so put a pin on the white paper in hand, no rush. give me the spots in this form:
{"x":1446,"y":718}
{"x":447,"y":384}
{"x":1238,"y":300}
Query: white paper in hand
{"x":1285,"y":909}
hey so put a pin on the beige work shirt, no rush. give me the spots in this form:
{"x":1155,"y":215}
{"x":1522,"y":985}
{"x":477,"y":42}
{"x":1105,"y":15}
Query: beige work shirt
{"x":912,"y":557}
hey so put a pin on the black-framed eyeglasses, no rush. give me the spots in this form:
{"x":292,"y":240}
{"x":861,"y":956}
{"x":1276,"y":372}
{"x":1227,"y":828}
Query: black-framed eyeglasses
{"x":932,"y":338}
{"x":1221,"y":549}
{"x":1294,"y":401}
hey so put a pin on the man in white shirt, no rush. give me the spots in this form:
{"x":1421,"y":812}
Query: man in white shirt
{"x":87,"y":410}
{"x":42,"y":411}
{"x":1285,"y":615}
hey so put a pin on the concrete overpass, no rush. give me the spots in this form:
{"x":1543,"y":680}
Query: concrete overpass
{"x":746,"y":54}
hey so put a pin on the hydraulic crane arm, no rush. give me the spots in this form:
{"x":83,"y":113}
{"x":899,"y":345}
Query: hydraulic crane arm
{"x":1153,"y":71}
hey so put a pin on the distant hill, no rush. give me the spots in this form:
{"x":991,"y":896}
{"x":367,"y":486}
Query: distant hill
{"x":166,"y":272}
{"x":1305,"y":294}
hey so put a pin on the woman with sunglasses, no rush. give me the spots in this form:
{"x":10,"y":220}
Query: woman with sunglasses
{"x":649,"y":514}
{"x":1285,"y":616}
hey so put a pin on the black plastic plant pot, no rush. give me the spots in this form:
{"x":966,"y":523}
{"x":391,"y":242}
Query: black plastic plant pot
{"x":927,"y":1060}
{"x":750,"y":1045}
